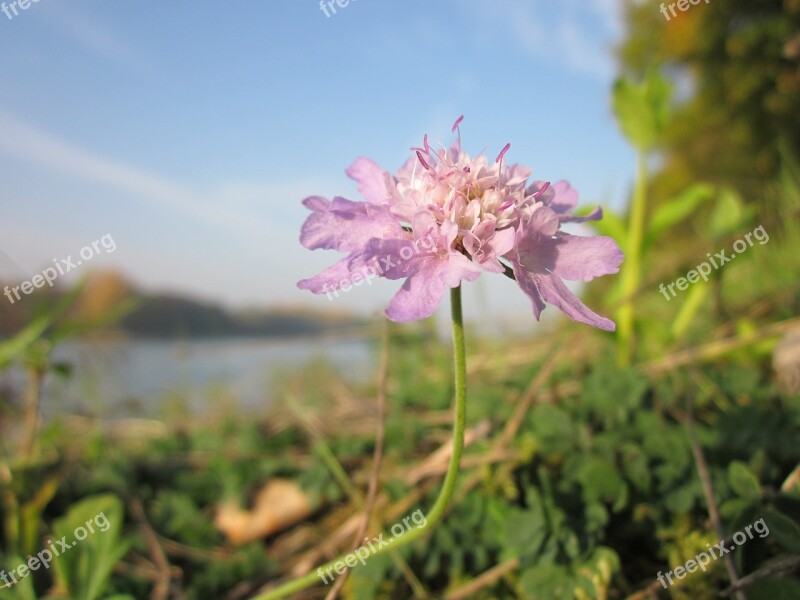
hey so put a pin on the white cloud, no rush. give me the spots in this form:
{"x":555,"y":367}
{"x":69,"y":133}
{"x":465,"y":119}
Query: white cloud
{"x":574,"y":33}
{"x":229,"y":206}
{"x":90,"y":33}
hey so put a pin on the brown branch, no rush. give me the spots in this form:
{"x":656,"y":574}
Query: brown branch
{"x":164,"y":581}
{"x":650,"y":592}
{"x":376,"y":460}
{"x":716,"y":348}
{"x":484,"y":579}
{"x":178,"y":550}
{"x":530,"y":394}
{"x":785,"y":565}
{"x":437,"y":462}
{"x":708,"y":492}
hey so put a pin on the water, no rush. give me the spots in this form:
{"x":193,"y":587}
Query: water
{"x":139,"y":378}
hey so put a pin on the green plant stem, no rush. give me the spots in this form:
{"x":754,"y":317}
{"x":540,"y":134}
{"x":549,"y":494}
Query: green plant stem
{"x":448,"y":487}
{"x":31,"y":411}
{"x":632,"y":270}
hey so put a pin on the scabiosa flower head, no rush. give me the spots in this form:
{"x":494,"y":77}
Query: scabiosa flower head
{"x":446,"y":217}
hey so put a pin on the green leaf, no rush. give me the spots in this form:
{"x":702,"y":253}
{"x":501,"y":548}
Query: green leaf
{"x":601,"y":482}
{"x":612,"y":394}
{"x":546,"y":582}
{"x":17,"y":346}
{"x":729,"y":213}
{"x":596,"y":573}
{"x":678,"y":209}
{"x":526,"y":530}
{"x":23,"y":590}
{"x":689,"y":309}
{"x":731,"y":509}
{"x":553,"y":428}
{"x":774,"y":588}
{"x":84,"y":568}
{"x":784,"y":530}
{"x":62,"y":369}
{"x":743,"y":481}
{"x":642,"y":109}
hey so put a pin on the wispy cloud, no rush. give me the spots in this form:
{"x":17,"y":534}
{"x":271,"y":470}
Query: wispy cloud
{"x":574,"y":33}
{"x":231,"y":206}
{"x":94,"y":35}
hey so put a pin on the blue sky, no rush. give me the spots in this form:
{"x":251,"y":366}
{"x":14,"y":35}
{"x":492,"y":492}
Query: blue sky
{"x":191,"y":131}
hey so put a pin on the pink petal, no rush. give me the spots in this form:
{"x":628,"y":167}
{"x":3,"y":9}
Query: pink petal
{"x":334,"y":277}
{"x":556,"y":293}
{"x":422,"y":293}
{"x":316,"y":203}
{"x":571,"y":257}
{"x":346,"y":226}
{"x":419,"y":298}
{"x":503,"y":241}
{"x":527,"y":284}
{"x":565,"y":197}
{"x":595,"y":215}
{"x":542,"y":222}
{"x":370,"y":180}
{"x":396,"y":259}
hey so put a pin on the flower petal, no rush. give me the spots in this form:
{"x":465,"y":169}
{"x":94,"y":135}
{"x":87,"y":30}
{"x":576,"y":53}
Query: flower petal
{"x":543,"y":221}
{"x":419,"y":298}
{"x":595,"y":215}
{"x":336,"y":276}
{"x":316,"y":203}
{"x":396,"y":259}
{"x":556,"y":293}
{"x":345,"y":225}
{"x":560,"y":196}
{"x":527,"y":284}
{"x":503,"y":241}
{"x":571,"y":257}
{"x":422,"y":293}
{"x":370,"y":179}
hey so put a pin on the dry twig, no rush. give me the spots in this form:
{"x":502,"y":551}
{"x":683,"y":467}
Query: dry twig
{"x":163,"y":582}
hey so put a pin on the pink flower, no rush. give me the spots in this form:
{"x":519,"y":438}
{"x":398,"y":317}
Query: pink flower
{"x":446,"y":217}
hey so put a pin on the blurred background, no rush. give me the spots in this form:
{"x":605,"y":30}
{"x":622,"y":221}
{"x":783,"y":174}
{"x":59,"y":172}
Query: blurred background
{"x":191,"y":138}
{"x":152,"y":163}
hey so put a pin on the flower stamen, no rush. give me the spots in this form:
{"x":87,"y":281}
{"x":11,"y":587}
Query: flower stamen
{"x":502,"y":153}
{"x":424,"y":164}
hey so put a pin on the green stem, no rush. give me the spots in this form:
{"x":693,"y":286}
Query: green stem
{"x":448,"y":487}
{"x":631,"y":273}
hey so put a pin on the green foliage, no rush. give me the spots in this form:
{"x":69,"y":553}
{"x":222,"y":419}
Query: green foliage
{"x":602,"y":493}
{"x":84,"y":570}
{"x":741,"y":58}
{"x":642,"y":109}
{"x":678,"y":209}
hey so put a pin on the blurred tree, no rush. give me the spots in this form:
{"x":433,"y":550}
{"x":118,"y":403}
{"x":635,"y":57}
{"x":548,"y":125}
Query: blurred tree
{"x":103,"y":292}
{"x":736,"y":64}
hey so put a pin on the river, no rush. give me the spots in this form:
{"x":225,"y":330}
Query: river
{"x":125,"y":378}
